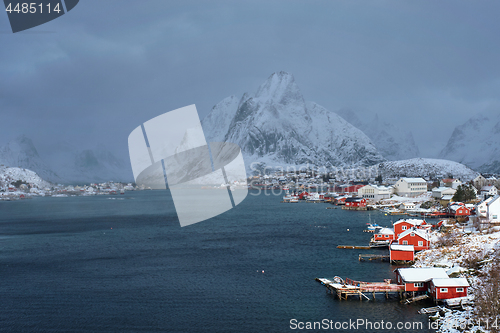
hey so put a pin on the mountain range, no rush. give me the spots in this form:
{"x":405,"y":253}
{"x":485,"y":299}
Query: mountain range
{"x":276,"y":127}
{"x":393,"y":142}
{"x":476,"y":143}
{"x":65,"y":163}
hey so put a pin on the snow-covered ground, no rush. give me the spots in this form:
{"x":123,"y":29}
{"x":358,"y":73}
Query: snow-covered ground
{"x":418,"y":167}
{"x":468,"y":247}
{"x":10,"y":175}
{"x":395,"y":199}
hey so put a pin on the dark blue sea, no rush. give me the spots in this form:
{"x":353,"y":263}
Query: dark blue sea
{"x":123,"y":264}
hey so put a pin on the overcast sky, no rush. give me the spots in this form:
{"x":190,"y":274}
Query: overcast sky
{"x":91,"y":76}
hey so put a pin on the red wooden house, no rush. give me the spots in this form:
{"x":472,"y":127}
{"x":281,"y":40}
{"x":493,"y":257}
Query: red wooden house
{"x":443,"y":288}
{"x":401,"y":252}
{"x":459,"y":210}
{"x":418,"y":238}
{"x":417,"y":279}
{"x":384,"y":234}
{"x":355,"y":202}
{"x":401,"y":226}
{"x":347,"y":189}
{"x":340,"y":200}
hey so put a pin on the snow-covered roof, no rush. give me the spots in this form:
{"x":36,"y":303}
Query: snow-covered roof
{"x":413,"y":180}
{"x":354,"y":199}
{"x":487,"y":188}
{"x":447,"y":282}
{"x":493,"y":199}
{"x":386,"y":231}
{"x":418,"y":232}
{"x":486,"y":201}
{"x":422,"y":274}
{"x":397,"y":247}
{"x":410,"y":221}
{"x":455,"y":207}
{"x":447,"y":197}
{"x":444,"y":189}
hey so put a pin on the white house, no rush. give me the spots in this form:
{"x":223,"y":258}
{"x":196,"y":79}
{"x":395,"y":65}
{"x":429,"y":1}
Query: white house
{"x":410,"y":187}
{"x":489,"y":209}
{"x":374,"y":192}
{"x":438,"y":192}
{"x":489,"y":191}
{"x":450,"y":182}
{"x":407,"y":205}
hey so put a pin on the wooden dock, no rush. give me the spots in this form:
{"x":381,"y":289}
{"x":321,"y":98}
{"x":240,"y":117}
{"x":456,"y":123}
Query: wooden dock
{"x":344,"y":288}
{"x":371,"y":257}
{"x":357,"y":247}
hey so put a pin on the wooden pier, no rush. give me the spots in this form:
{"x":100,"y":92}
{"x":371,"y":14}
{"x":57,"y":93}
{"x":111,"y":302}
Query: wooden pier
{"x":356,"y":247}
{"x":344,"y":288}
{"x":371,"y":257}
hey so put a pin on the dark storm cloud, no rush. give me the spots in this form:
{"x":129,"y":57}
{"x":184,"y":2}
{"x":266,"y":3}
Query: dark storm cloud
{"x":110,"y":65}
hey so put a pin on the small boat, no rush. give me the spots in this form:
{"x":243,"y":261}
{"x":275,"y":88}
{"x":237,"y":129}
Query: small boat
{"x":380,"y":243}
{"x":373,"y":226}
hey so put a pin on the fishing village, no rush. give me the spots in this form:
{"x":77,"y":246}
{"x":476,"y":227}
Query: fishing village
{"x":443,"y":244}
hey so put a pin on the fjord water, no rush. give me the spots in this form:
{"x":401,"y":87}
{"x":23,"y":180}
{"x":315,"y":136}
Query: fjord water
{"x":123,"y":264}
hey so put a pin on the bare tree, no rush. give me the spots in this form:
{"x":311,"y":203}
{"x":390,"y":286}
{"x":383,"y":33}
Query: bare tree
{"x":487,"y":303}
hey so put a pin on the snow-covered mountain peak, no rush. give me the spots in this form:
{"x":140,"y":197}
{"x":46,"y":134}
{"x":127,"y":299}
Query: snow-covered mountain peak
{"x":475,"y":143}
{"x":22,"y":144}
{"x":280,"y":88}
{"x":276,"y":126}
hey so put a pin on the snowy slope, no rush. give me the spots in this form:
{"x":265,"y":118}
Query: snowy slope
{"x":21,"y":152}
{"x":476,"y":143}
{"x":10,"y":175}
{"x":421,"y":167}
{"x":64,"y":163}
{"x":394,"y":143}
{"x":220,"y":117}
{"x":276,"y":127}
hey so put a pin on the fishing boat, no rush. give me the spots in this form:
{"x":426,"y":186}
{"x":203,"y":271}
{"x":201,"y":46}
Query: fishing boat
{"x":384,"y":243}
{"x":373,"y":226}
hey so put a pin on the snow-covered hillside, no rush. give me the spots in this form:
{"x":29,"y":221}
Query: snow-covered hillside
{"x":21,"y":152}
{"x":419,"y":167}
{"x":476,"y":143}
{"x":64,"y":163}
{"x":276,"y":127}
{"x":10,"y":175}
{"x":393,"y":142}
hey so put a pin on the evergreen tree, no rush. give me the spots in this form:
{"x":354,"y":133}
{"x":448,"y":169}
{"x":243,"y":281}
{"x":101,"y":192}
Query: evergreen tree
{"x":464,"y":193}
{"x":459,"y":194}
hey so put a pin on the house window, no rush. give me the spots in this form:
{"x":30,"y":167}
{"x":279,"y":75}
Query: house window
{"x":420,"y":243}
{"x":404,"y":227}
{"x":405,"y":242}
{"x":494,"y":217}
{"x":412,"y":234}
{"x":386,"y":236}
{"x":443,"y":290}
{"x":460,"y":290}
{"x":419,"y":285}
